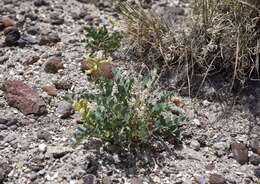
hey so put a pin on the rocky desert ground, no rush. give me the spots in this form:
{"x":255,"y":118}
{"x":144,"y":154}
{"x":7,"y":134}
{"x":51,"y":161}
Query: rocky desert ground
{"x":40,"y":53}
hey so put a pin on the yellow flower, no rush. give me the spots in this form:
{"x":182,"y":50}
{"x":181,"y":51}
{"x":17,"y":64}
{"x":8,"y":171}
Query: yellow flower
{"x":80,"y":106}
{"x":95,"y":62}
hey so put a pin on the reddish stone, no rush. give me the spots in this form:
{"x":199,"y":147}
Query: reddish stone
{"x":105,"y":70}
{"x":84,"y":66}
{"x":50,"y":89}
{"x":53,"y":65}
{"x":7,"y":21}
{"x":240,"y":152}
{"x":23,"y":97}
{"x":217,"y":179}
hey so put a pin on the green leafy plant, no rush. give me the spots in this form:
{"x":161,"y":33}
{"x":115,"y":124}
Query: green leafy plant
{"x":118,"y":115}
{"x":99,"y":38}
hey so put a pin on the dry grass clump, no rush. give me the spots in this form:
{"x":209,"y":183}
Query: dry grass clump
{"x":227,"y":40}
{"x":147,"y":34}
{"x":220,"y":37}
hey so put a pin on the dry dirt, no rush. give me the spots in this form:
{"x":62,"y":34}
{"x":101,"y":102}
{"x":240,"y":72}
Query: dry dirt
{"x":38,"y":149}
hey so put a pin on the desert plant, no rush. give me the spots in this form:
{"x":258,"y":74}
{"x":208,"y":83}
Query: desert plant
{"x":219,"y":37}
{"x":147,"y":33}
{"x":120,"y":116}
{"x":99,"y":38}
{"x":226,"y":40}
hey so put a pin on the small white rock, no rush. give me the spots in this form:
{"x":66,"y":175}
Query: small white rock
{"x":42,"y":148}
{"x":196,"y":122}
{"x":195,"y":145}
{"x":206,"y":103}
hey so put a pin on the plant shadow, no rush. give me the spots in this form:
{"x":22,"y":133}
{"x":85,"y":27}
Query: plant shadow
{"x":139,"y":160}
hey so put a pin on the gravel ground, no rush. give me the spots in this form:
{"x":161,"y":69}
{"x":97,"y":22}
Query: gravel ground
{"x":221,"y":142}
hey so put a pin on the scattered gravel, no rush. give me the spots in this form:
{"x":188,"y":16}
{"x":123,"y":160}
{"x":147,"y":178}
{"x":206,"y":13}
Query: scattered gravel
{"x":40,"y":47}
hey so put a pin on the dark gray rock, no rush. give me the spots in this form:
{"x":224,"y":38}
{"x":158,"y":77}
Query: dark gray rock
{"x":49,"y":39}
{"x":63,"y":84}
{"x":44,"y":135}
{"x":3,"y":127}
{"x":31,"y":60}
{"x":39,"y":3}
{"x":89,"y":179}
{"x":5,"y":169}
{"x":12,"y":35}
{"x":254,"y":159}
{"x":257,"y":172}
{"x":36,"y":164}
{"x":33,"y":30}
{"x":56,"y":19}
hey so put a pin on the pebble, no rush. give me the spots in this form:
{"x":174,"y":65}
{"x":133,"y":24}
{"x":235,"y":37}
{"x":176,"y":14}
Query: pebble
{"x":6,"y":22}
{"x":257,"y":172}
{"x":44,"y":135}
{"x":136,"y":181}
{"x":53,"y":65}
{"x":3,"y":127}
{"x":12,"y":35}
{"x":31,"y":60}
{"x":36,"y":164}
{"x":105,"y":71}
{"x":221,"y":148}
{"x":79,"y":15}
{"x":6,"y":123}
{"x":23,"y":97}
{"x":32,"y":176}
{"x":255,"y":146}
{"x":56,"y":19}
{"x":194,"y":144}
{"x":240,"y":152}
{"x":196,"y":122}
{"x":33,"y":30}
{"x":85,"y":1}
{"x":206,"y":103}
{"x":217,"y":179}
{"x":84,"y":66}
{"x":39,"y":3}
{"x":106,"y":180}
{"x":64,"y":109}
{"x":50,"y":89}
{"x":32,"y":17}
{"x":5,"y":169}
{"x":254,"y":159}
{"x":58,"y":151}
{"x":89,"y":179}
{"x":13,"y":127}
{"x":63,"y":84}
{"x":42,"y":148}
{"x":49,"y":39}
